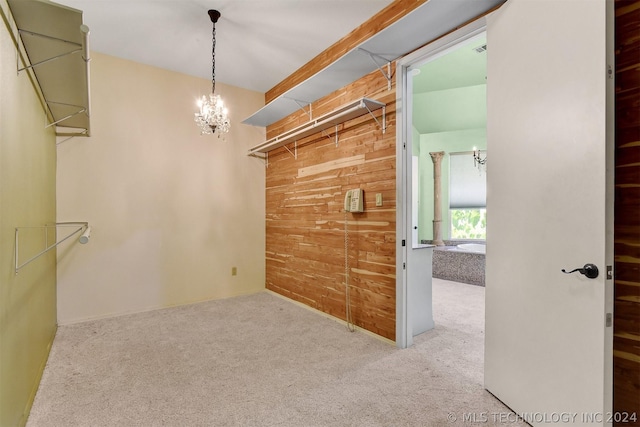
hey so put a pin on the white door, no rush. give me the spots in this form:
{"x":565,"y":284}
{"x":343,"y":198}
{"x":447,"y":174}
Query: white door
{"x":548,"y":347}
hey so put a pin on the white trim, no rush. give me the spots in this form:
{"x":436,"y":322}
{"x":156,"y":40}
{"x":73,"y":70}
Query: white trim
{"x":404,"y":338}
{"x":609,"y":214}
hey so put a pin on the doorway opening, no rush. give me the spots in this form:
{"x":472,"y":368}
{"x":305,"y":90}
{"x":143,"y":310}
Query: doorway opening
{"x":442,"y":99}
{"x":449,"y":149}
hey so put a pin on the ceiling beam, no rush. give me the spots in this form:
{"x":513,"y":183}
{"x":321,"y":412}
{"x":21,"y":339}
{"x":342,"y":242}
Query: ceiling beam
{"x":377,"y":23}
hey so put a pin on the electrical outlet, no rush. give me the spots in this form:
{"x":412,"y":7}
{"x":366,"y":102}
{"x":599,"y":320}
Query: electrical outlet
{"x":378,"y":199}
{"x":234,"y":271}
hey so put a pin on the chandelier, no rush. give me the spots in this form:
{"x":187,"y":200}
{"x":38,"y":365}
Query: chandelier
{"x":212,"y":116}
{"x":478,"y":161}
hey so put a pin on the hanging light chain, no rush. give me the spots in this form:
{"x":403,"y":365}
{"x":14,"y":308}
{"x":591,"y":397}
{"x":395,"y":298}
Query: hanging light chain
{"x":213,"y":59}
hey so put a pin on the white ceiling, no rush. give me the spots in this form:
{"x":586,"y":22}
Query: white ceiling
{"x":259,"y":42}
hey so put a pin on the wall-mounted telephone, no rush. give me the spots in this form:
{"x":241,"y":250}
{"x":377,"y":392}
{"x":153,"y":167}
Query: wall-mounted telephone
{"x":353,"y":201}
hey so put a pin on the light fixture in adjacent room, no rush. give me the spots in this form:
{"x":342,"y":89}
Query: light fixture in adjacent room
{"x":213,"y":115}
{"x":477,"y":160}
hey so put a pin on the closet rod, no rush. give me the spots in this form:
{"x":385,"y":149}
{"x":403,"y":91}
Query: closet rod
{"x":81,"y":226}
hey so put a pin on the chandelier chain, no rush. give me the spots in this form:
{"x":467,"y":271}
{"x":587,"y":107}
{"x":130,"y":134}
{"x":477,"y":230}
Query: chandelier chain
{"x":213,"y":59}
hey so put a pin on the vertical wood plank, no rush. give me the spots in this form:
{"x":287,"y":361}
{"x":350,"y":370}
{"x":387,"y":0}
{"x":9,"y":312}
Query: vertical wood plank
{"x":626,"y":341}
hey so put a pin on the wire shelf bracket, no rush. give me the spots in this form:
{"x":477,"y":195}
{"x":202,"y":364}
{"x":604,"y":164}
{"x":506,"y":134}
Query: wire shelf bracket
{"x":302,"y":104}
{"x":373,"y":56}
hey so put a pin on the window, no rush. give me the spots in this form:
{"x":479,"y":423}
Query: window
{"x":467,"y":197}
{"x":468,"y":223}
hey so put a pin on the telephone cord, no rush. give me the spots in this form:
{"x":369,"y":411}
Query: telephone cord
{"x":350,"y":325}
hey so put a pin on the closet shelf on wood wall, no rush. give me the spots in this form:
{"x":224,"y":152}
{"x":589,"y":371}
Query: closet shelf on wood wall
{"x":427,"y":22}
{"x":342,"y":114}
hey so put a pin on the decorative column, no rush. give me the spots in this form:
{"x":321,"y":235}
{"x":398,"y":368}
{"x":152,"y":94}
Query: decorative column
{"x":436,"y":157}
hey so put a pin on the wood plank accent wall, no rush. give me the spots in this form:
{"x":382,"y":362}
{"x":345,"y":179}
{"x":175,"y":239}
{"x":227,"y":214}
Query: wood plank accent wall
{"x":375,"y":24}
{"x":626,"y":343}
{"x":305,"y":249}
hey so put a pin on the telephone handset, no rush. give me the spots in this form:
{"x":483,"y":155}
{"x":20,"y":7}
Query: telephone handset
{"x":353,"y":201}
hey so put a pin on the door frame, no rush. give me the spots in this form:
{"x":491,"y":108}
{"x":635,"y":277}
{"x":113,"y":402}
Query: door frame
{"x":404,"y":153}
{"x":610,"y":134}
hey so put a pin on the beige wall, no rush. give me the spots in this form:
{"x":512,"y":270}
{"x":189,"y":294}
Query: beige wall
{"x":27,"y":198}
{"x":171,"y":211}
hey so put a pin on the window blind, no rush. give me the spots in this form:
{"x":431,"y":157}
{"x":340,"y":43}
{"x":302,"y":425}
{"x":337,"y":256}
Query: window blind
{"x":467,"y":184}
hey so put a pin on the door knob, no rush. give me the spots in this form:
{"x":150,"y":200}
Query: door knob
{"x":589,"y":270}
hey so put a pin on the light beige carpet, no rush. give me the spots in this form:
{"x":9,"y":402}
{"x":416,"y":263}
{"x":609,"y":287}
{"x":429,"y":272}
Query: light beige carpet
{"x":260,"y":360}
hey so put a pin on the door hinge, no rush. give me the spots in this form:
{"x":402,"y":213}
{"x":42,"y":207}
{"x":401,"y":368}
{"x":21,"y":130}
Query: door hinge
{"x":609,"y":272}
{"x":609,"y":321}
{"x":610,"y":72}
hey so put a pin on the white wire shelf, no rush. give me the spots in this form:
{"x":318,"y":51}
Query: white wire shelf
{"x":342,"y":114}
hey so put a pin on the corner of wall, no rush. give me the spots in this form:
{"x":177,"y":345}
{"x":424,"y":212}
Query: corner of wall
{"x":28,"y":199}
